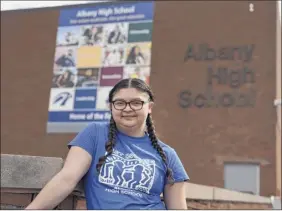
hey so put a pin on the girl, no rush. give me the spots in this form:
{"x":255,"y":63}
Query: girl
{"x":135,"y":56}
{"x":123,"y":163}
{"x":65,"y":80}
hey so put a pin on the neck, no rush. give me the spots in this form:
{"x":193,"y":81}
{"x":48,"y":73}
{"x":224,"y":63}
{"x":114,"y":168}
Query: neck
{"x":132,"y":131}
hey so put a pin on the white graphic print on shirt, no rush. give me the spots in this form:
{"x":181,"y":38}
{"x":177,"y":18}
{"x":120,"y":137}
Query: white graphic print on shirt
{"x":128,"y":171}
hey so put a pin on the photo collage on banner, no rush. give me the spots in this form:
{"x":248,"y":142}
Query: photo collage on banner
{"x":96,"y":47}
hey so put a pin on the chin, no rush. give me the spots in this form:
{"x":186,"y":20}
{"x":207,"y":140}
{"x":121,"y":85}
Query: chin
{"x":128,"y":123}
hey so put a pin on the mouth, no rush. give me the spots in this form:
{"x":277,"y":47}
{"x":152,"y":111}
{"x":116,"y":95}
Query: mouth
{"x":128,"y":116}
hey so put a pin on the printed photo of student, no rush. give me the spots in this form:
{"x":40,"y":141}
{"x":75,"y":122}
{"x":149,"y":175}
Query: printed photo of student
{"x":87,"y":77}
{"x":64,"y":79}
{"x":116,"y":33}
{"x":138,"y":54}
{"x":68,"y":36}
{"x":91,"y":35}
{"x":113,"y":56}
{"x":65,"y":57}
{"x":97,"y":35}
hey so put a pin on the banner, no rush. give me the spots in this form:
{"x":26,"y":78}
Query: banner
{"x":96,"y":47}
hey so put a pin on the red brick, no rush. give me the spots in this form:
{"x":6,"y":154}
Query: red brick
{"x":16,"y":199}
{"x":81,"y":204}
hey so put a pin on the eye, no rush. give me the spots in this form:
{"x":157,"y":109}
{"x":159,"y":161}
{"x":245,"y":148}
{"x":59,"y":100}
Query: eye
{"x":136,"y":103}
{"x":119,"y":103}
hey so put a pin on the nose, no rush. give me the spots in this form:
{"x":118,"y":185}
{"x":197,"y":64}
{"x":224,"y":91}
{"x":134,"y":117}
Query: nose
{"x":127,"y":108}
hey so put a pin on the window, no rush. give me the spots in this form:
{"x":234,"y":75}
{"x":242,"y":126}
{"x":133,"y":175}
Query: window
{"x":243,"y":177}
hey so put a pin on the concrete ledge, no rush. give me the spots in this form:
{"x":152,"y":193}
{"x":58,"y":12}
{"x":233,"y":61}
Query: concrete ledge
{"x":29,"y":172}
{"x":195,"y":191}
{"x":226,"y":195}
{"x":202,"y":192}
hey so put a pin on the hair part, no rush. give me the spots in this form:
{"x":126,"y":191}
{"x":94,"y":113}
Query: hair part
{"x":109,"y":146}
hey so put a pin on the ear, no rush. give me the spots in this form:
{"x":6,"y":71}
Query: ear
{"x":151,"y":104}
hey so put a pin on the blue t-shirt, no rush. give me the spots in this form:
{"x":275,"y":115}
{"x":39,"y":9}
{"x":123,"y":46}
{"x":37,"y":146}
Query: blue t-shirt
{"x":133,"y":177}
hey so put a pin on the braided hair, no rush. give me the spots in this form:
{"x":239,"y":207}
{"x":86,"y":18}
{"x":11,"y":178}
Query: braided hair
{"x":109,"y":146}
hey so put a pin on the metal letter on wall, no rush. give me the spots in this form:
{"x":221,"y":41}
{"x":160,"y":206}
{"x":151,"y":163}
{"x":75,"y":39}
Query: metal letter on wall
{"x":233,"y":77}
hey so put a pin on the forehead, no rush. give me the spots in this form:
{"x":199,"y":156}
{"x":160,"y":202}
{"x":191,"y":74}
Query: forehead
{"x":130,"y":94}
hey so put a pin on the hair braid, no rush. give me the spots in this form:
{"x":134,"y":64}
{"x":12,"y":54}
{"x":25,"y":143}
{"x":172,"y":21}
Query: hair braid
{"x":109,"y":144}
{"x":154,"y":140}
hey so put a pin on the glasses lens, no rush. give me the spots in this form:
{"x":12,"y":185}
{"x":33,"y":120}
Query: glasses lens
{"x":136,"y":105}
{"x":119,"y":105}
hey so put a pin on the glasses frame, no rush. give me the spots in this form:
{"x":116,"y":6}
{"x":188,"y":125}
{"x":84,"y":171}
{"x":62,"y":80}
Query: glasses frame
{"x":128,"y":103}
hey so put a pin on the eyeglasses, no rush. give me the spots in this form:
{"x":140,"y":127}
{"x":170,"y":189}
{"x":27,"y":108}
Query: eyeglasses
{"x":134,"y":105}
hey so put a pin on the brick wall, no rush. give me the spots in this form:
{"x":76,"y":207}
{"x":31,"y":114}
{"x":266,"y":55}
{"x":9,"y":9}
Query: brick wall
{"x":14,"y":200}
{"x":204,"y":205}
{"x":21,"y":200}
{"x":218,"y":205}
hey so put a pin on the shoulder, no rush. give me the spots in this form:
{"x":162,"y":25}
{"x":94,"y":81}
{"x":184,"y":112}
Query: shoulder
{"x":166,"y":148}
{"x":96,"y":127}
{"x":88,"y":138}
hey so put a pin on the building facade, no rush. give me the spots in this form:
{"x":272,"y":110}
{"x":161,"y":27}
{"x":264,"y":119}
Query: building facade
{"x":213,"y":71}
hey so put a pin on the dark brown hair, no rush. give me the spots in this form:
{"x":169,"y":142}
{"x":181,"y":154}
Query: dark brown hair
{"x":143,"y":87}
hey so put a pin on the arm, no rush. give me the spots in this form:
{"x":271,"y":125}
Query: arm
{"x":58,"y":81}
{"x":174,"y":196}
{"x":61,"y":185}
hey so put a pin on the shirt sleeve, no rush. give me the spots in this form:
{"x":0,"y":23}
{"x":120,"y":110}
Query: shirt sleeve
{"x":86,"y":139}
{"x":175,"y":164}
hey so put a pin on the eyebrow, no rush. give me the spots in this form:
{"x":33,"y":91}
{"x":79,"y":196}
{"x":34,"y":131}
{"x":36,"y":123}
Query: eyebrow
{"x":129,"y":99}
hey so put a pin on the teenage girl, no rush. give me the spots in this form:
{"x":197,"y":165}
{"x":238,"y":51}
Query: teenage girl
{"x":123,"y":163}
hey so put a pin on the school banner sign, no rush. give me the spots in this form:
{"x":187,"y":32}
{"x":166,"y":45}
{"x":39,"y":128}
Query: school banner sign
{"x":96,"y":47}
